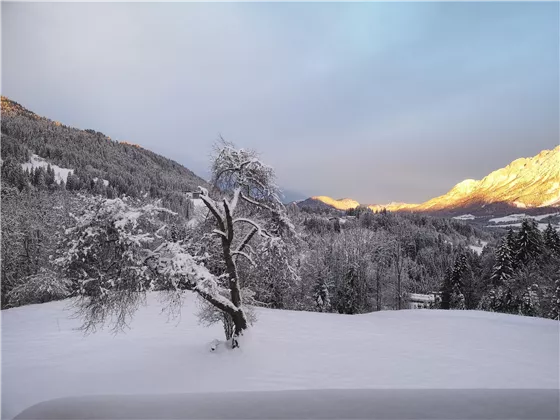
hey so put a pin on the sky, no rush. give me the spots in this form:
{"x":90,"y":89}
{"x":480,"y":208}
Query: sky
{"x":379,"y":102}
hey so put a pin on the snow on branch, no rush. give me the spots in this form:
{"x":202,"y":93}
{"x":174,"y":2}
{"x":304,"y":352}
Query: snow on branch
{"x":211,"y":204}
{"x":256,"y":203}
{"x":245,"y":255}
{"x":241,"y":168}
{"x":173,"y":261}
{"x":219,"y":232}
{"x":233,"y":203}
{"x":258,"y":228}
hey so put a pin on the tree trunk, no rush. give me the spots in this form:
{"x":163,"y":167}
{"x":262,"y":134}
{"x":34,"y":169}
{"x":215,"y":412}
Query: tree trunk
{"x":237,"y":315}
{"x":240,"y":324}
{"x":378,"y":294}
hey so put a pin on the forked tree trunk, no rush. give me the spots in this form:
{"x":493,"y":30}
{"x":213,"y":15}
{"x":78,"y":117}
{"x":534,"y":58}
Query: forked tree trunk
{"x":237,"y":315}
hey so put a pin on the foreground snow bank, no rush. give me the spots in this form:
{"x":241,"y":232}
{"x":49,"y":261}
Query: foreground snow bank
{"x":309,"y":404}
{"x":44,"y":357}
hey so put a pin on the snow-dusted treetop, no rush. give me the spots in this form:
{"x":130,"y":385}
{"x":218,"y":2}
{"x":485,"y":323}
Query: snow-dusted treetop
{"x":241,"y":168}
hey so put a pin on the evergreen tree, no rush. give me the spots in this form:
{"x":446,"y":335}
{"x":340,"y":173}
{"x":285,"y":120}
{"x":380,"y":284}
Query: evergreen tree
{"x":530,"y":302}
{"x":500,"y":299}
{"x":446,"y":290}
{"x":457,"y":298}
{"x":555,"y":301}
{"x":552,"y":239}
{"x":347,"y":299}
{"x":511,"y":239}
{"x":503,"y":268}
{"x":49,"y":176}
{"x":40,"y":178}
{"x":72,"y":182}
{"x":529,"y":245}
{"x":322,"y":294}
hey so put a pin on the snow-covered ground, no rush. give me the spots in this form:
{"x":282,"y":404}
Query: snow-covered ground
{"x":465,"y":217}
{"x":44,"y":357}
{"x":200,"y":212}
{"x":105,"y":182}
{"x":60,"y":174}
{"x":519,"y":217}
{"x":478,"y":248}
{"x":541,"y":226}
{"x":514,"y":220}
{"x":509,"y":218}
{"x":198,"y":202}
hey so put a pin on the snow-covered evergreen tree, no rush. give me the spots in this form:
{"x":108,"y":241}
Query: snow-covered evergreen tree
{"x":554,"y":312}
{"x":322,"y":294}
{"x":460,"y":268}
{"x":552,"y":240}
{"x":347,"y":297}
{"x":503,"y":268}
{"x":528,"y":246}
{"x":446,"y":290}
{"x":530,"y":301}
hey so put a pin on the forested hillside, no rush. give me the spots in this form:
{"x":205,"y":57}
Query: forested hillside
{"x":92,"y":156}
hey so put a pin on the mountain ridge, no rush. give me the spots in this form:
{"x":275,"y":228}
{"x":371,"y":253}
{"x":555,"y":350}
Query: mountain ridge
{"x":527,"y":183}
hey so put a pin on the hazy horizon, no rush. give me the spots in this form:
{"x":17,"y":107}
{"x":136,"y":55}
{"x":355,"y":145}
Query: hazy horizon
{"x":373,"y":101}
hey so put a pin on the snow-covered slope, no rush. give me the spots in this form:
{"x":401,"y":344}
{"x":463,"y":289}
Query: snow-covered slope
{"x":44,"y":357}
{"x":60,"y":174}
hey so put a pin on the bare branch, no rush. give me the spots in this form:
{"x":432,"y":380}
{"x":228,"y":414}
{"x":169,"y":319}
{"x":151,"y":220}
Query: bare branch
{"x":246,"y":240}
{"x":213,"y":209}
{"x":256,"y":203}
{"x":229,"y":222}
{"x":259,"y":229}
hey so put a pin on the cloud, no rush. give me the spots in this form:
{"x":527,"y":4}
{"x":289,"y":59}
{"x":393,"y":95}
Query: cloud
{"x":381,"y":102}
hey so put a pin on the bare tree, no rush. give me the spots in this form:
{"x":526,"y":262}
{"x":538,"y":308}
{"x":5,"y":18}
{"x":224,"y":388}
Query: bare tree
{"x":119,"y":250}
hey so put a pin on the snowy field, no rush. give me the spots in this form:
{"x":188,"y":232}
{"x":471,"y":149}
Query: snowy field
{"x":541,"y":226}
{"x":60,"y":174}
{"x":465,"y":217}
{"x":514,"y":220}
{"x":478,"y":248}
{"x":44,"y":357}
{"x":519,"y":217}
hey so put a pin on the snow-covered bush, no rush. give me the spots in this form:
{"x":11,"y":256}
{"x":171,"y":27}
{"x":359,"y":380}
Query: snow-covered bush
{"x":42,"y":287}
{"x":104,"y":256}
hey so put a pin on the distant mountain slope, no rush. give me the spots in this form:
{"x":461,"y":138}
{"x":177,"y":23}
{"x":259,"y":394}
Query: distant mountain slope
{"x":526,"y":183}
{"x":289,"y":196}
{"x":128,"y":168}
{"x":340,"y":204}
